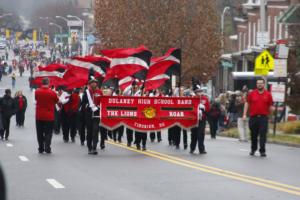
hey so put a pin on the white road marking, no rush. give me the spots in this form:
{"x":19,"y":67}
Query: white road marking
{"x":244,"y":150}
{"x":9,"y":145}
{"x":55,"y":183}
{"x":23,"y":158}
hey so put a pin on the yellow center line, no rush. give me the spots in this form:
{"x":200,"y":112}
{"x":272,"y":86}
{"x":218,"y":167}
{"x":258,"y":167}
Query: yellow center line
{"x":212,"y":170}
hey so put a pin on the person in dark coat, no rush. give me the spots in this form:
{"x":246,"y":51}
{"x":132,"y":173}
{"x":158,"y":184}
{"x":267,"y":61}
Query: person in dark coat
{"x":8,"y":109}
{"x":45,"y":105}
{"x":2,"y":185}
{"x":21,"y":105}
{"x":213,"y":119}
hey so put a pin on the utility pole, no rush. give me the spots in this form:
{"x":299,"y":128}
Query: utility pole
{"x":262,"y":16}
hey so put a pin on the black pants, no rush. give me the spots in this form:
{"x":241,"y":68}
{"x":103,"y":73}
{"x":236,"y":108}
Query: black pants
{"x":197,"y":136}
{"x":68,"y":126}
{"x":152,"y":136}
{"x":20,"y":117}
{"x":140,"y":137}
{"x":184,"y":133}
{"x":92,"y":126}
{"x":44,"y":134}
{"x":81,"y":126}
{"x":176,"y":132}
{"x":118,"y":133}
{"x":103,"y":136}
{"x":129,"y":134}
{"x":258,"y":128}
{"x":171,"y":137}
{"x":213,"y":126}
{"x":57,"y":121}
{"x":6,"y":125}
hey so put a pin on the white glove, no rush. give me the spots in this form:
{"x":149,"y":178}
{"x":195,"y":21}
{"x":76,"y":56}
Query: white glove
{"x":202,"y":107}
{"x":200,"y":114}
{"x":94,"y":108}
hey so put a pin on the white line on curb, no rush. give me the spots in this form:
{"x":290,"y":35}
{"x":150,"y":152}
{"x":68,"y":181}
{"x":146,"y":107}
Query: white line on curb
{"x":23,"y":158}
{"x":9,"y":145}
{"x":55,"y":183}
{"x":244,"y":150}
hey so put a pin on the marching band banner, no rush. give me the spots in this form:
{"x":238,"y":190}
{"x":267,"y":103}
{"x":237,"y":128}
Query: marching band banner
{"x":149,"y":113}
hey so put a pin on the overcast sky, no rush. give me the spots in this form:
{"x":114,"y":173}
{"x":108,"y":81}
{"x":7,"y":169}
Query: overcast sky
{"x":22,"y":7}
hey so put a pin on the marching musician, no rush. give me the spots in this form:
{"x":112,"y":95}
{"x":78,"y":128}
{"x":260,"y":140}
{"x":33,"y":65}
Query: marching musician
{"x":90,"y":105}
{"x":198,"y":133}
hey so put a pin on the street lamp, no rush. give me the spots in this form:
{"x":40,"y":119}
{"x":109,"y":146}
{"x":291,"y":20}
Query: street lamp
{"x":83,"y":34}
{"x":67,"y":21}
{"x":222,"y":26}
{"x":60,"y":29}
{"x":46,"y":19}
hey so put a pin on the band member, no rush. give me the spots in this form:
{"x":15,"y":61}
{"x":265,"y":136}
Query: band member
{"x":69,"y":114}
{"x":57,"y":114}
{"x":81,"y":120}
{"x":198,"y":133}
{"x":259,"y":102}
{"x":90,"y":104}
{"x":45,"y":104}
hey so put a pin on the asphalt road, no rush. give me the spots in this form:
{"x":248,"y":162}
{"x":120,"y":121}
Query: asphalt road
{"x":161,"y":172}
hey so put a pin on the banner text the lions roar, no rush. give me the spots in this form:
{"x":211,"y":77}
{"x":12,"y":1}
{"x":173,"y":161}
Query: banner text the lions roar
{"x":149,"y":113}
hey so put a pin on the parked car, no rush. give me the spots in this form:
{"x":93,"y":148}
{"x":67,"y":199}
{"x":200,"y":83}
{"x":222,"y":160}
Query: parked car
{"x":2,"y":46}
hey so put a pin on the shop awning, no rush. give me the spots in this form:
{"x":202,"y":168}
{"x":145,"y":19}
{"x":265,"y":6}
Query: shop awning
{"x":249,"y":75}
{"x":291,"y":15}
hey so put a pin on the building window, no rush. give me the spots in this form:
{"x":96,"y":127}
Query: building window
{"x":244,"y":41}
{"x":249,"y":34}
{"x":275,"y":28}
{"x":269,"y":27}
{"x":254,"y":35}
{"x":240,"y":41}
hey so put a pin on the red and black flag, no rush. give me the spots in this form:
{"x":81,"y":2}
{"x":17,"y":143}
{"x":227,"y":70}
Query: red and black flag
{"x":53,"y":67}
{"x":162,"y":68}
{"x":80,"y":69}
{"x":125,"y":62}
{"x":55,"y":78}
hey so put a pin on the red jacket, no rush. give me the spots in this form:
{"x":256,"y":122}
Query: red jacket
{"x":205,"y":101}
{"x":45,"y":104}
{"x":72,"y":106}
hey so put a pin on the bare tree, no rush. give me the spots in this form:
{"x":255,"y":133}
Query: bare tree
{"x":191,"y":25}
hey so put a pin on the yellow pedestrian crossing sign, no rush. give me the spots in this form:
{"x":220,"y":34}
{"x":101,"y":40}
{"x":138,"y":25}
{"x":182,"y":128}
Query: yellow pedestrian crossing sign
{"x":264,"y":63}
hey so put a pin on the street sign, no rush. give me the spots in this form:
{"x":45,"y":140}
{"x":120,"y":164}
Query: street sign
{"x":262,"y":38}
{"x":280,"y":68}
{"x":74,"y":23}
{"x":278,"y":92}
{"x":264,"y":63}
{"x":282,"y":51}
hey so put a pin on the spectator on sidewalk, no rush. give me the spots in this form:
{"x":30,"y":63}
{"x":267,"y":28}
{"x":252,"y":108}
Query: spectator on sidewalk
{"x":13,"y":80}
{"x":21,"y":103}
{"x":8,"y":109}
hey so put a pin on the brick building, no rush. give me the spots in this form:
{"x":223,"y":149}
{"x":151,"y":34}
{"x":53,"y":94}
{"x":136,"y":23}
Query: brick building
{"x":247,"y":27}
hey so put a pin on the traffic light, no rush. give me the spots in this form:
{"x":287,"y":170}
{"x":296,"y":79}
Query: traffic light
{"x":46,"y":39}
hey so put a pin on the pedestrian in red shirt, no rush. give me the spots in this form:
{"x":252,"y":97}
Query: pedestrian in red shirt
{"x":45,"y":105}
{"x":259,"y":103}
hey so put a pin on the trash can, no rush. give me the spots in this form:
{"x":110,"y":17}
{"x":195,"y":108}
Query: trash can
{"x":243,"y":129}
